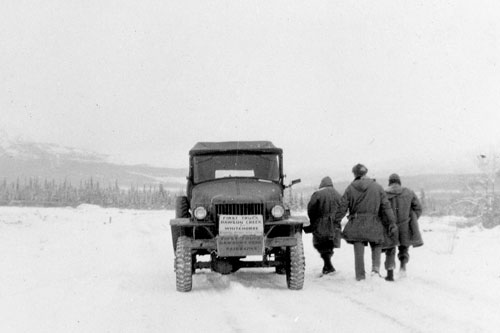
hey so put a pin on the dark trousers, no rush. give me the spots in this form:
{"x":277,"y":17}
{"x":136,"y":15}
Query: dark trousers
{"x":323,"y":245}
{"x":390,"y":256}
{"x":359,"y":258}
{"x":403,"y":254}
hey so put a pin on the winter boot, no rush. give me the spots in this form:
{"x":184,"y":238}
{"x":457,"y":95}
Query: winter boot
{"x":402,"y":267}
{"x":390,"y":275}
{"x":402,"y":270}
{"x":327,"y":267}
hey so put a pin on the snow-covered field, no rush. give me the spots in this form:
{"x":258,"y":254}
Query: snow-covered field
{"x":90,"y":269}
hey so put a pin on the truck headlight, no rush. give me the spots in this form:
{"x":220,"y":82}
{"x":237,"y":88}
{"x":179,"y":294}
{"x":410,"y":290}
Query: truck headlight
{"x":277,"y":211}
{"x":200,"y":213}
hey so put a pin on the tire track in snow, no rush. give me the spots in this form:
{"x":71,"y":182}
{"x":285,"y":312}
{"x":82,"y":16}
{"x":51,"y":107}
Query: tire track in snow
{"x":472,"y":310}
{"x":216,"y":290}
{"x":264,"y":304}
{"x":256,"y":304}
{"x":424,"y":313}
{"x":346,"y":288}
{"x":379,"y":313}
{"x":455,"y":291}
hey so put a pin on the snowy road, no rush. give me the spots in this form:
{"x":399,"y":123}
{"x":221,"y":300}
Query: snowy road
{"x":108,"y":270}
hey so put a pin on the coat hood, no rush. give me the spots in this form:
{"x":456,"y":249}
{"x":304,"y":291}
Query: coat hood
{"x":362,"y":184}
{"x":327,"y":181}
{"x":394,"y":189}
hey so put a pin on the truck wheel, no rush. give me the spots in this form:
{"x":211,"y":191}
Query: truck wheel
{"x":181,"y":207}
{"x":183,"y":265}
{"x":176,"y":232}
{"x":296,"y":264}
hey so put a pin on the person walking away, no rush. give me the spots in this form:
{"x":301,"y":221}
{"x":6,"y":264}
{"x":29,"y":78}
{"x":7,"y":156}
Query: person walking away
{"x":321,"y":211}
{"x":364,"y":198}
{"x":407,"y":210}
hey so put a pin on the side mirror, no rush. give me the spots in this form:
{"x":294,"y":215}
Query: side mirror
{"x":295,"y":181}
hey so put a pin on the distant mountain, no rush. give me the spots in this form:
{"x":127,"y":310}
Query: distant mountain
{"x":21,"y":159}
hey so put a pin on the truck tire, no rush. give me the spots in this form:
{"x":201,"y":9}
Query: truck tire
{"x":295,"y":264}
{"x":181,"y":211}
{"x":181,"y":207}
{"x":183,"y":265}
{"x":176,"y":232}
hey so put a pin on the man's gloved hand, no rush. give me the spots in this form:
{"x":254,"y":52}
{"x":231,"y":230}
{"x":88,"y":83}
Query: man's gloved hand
{"x":307,"y":229}
{"x":393,"y":229}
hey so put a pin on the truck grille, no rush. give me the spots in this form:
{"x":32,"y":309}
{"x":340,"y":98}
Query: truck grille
{"x":239,"y":209}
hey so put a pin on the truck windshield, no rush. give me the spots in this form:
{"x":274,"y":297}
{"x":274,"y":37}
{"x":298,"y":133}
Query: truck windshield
{"x":261,"y":166}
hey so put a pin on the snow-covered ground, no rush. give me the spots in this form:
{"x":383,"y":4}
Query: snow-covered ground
{"x":90,"y":269}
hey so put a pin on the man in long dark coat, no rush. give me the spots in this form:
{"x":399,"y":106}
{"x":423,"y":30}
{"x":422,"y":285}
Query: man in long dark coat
{"x":363,"y":198}
{"x":407,"y":210}
{"x":321,"y":211}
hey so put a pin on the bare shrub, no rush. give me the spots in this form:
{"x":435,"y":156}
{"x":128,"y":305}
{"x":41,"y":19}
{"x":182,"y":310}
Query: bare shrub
{"x":480,"y":199}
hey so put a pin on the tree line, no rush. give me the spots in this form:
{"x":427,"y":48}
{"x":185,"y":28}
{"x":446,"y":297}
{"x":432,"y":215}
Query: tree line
{"x":478,"y":197}
{"x":36,"y":192}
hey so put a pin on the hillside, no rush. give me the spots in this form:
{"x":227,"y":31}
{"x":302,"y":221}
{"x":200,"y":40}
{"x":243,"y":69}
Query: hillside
{"x":23,"y":160}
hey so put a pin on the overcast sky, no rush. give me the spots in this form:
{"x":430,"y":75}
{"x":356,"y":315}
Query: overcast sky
{"x":408,"y":86}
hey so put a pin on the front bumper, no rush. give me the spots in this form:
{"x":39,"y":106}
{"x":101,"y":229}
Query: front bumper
{"x":211,"y":244}
{"x":222,"y":245}
{"x":187,"y":222}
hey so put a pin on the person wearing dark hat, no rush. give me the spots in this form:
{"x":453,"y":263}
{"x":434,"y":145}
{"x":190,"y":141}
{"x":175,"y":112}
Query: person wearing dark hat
{"x":407,"y":210}
{"x":364,"y":198}
{"x":321,"y":210}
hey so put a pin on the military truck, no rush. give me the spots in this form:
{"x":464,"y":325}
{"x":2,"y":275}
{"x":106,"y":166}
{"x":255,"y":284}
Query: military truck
{"x":233,"y":214}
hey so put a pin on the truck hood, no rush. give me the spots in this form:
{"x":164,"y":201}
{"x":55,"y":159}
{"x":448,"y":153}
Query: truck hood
{"x":235,"y":191}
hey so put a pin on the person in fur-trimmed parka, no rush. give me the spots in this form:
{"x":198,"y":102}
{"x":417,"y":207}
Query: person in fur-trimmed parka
{"x":407,"y":210}
{"x":321,"y":211}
